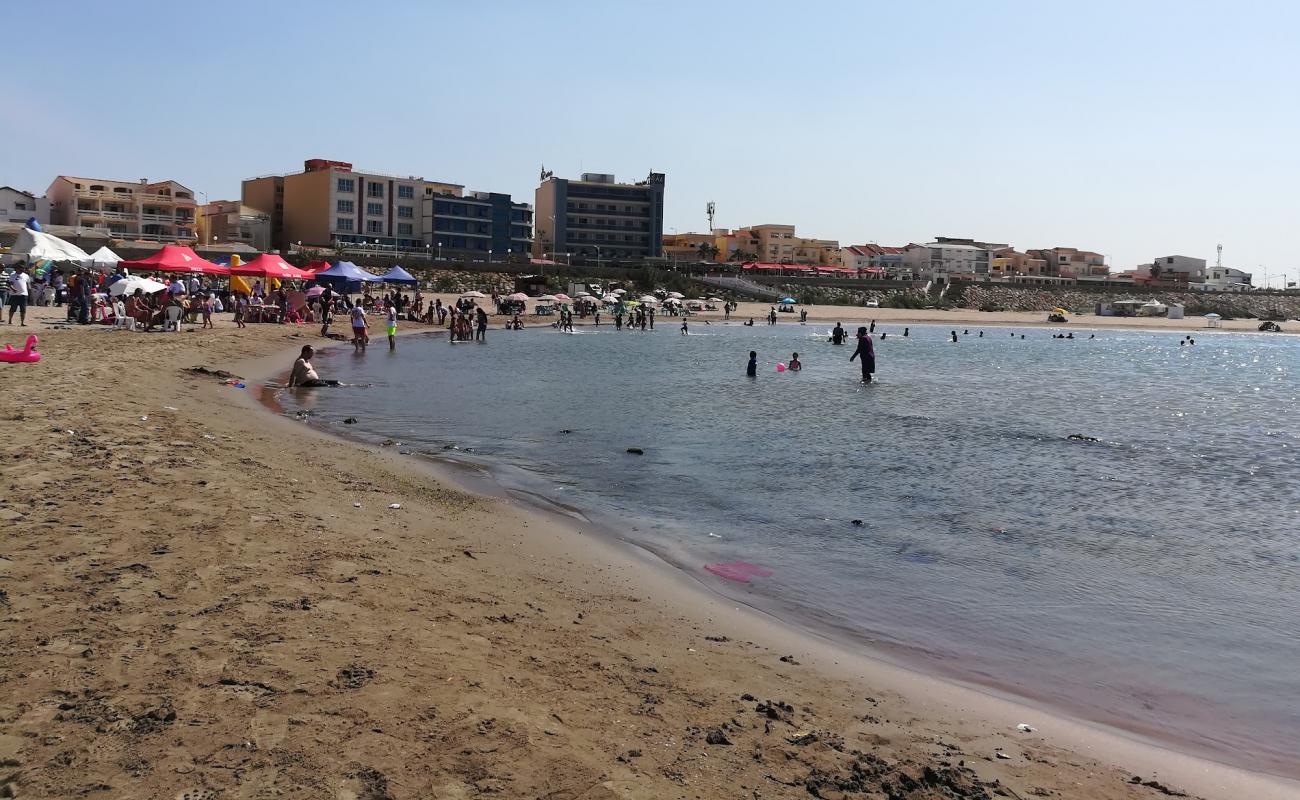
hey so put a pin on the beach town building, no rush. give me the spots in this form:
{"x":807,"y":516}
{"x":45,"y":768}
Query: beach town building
{"x":884,"y":260}
{"x":692,"y":247}
{"x":1227,"y":279}
{"x":947,"y":259}
{"x":780,"y":244}
{"x":598,"y":217}
{"x":1008,"y":262}
{"x":232,"y":222}
{"x":19,"y":206}
{"x":1070,"y":262}
{"x":157,"y":211}
{"x":331,"y":204}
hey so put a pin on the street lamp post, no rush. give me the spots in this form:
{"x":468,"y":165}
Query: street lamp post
{"x":597,"y":254}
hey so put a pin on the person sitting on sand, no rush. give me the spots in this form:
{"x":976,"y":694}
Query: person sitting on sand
{"x":304,"y":374}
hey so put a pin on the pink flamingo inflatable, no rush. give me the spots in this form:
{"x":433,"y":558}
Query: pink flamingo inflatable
{"x":27,"y":355}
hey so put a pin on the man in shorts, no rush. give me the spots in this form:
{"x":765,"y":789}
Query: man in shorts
{"x":359,"y":328}
{"x":20,"y":289}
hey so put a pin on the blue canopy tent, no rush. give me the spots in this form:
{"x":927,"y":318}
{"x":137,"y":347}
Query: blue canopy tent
{"x":346,"y":277}
{"x":400,"y":276}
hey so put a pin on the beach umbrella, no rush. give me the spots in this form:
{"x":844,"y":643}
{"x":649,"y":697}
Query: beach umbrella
{"x":316,"y":291}
{"x":546,"y":298}
{"x":716,"y":300}
{"x":476,"y":295}
{"x":1060,"y":311}
{"x":676,"y":295}
{"x":649,"y":298}
{"x":609,"y":298}
{"x":129,"y":284}
{"x":789,"y":300}
{"x":563,"y":298}
{"x":583,"y":294}
{"x":1212,"y":315}
{"x":517,"y":296}
{"x":620,"y":291}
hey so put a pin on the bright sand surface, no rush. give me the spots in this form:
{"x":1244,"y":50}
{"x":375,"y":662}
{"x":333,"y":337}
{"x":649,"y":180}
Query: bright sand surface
{"x":202,"y":596}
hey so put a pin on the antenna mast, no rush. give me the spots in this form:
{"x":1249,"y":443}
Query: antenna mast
{"x":1218,"y":259}
{"x":710,"y":209}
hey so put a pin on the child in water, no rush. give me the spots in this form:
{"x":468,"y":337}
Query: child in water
{"x":794,"y":364}
{"x":751,"y":370}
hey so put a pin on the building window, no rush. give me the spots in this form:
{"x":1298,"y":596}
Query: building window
{"x":374,"y":190}
{"x":375,"y":209}
{"x":347,"y":185}
{"x":404,"y":228}
{"x":406,"y":212}
{"x":374,"y":226}
{"x":406,"y":192}
{"x":345,"y":207}
{"x":343,"y":224}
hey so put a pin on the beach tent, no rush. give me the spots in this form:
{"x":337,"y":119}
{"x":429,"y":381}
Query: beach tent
{"x":103,"y":258}
{"x":346,"y":272}
{"x":316,"y":266}
{"x":400,"y":276}
{"x":175,"y":258}
{"x":37,"y":245}
{"x":269,"y":266}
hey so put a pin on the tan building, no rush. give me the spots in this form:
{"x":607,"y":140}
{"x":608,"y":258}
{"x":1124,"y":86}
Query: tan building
{"x":692,"y":247}
{"x":1008,"y":262}
{"x":232,"y":222}
{"x":1070,"y":262}
{"x":778,"y":244}
{"x":156,"y":211}
{"x":331,"y":204}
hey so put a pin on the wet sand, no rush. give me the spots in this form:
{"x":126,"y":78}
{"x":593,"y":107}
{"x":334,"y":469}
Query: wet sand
{"x":200,"y":596}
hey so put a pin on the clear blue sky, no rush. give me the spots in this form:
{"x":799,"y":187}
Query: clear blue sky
{"x":1135,"y":128}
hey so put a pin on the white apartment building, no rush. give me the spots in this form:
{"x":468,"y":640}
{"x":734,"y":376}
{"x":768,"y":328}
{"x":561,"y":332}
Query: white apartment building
{"x":19,"y":206}
{"x":942,"y":259}
{"x":158,"y":211}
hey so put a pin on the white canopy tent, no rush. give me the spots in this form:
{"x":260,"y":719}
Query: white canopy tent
{"x":40,"y":245}
{"x":103,"y":258}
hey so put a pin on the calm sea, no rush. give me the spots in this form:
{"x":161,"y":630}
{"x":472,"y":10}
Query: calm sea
{"x":1149,"y":580}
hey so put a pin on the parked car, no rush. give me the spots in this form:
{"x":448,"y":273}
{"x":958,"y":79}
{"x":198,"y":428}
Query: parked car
{"x":873,"y":304}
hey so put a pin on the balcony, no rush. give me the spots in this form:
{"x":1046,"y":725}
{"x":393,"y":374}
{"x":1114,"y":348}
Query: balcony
{"x":124,"y":197}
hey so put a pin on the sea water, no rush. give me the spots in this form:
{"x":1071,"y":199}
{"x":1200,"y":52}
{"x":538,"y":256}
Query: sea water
{"x":1149,"y":580}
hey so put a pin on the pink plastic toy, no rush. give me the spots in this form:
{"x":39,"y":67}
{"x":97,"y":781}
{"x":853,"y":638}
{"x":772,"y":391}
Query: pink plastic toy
{"x":738,"y":571}
{"x":27,"y":355}
{"x":780,"y":367}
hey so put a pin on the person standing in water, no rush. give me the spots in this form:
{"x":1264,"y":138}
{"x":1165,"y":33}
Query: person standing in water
{"x":751,"y":370}
{"x":868,"y":353}
{"x":390,"y":321}
{"x":954,"y":336}
{"x":837,"y":334}
{"x":685,"y":330}
{"x":794,"y":365}
{"x":481,"y":334}
{"x":360,"y":337}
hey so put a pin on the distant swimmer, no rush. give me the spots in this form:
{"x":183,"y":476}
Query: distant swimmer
{"x":966,"y":332}
{"x":872,"y":329}
{"x":884,"y":336}
{"x":794,"y":364}
{"x":838,"y":335}
{"x":868,"y":354}
{"x":906,"y":332}
{"x":1094,"y":336}
{"x":751,"y":370}
{"x":684,"y":330}
{"x":981,"y":334}
{"x":750,"y":324}
{"x":954,"y":336}
{"x":1071,"y":336}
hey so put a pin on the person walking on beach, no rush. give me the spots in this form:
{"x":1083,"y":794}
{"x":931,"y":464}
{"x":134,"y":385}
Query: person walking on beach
{"x":390,"y":321}
{"x":359,"y":329}
{"x":20,"y":289}
{"x":868,"y":353}
{"x":751,"y":370}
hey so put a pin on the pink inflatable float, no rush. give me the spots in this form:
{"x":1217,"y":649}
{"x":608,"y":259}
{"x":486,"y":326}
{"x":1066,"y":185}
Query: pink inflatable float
{"x":27,"y":355}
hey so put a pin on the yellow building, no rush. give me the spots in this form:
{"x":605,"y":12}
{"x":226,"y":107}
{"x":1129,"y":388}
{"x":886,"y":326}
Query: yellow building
{"x":779,"y":244}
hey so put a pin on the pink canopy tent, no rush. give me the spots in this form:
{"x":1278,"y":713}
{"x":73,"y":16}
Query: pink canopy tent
{"x":269,"y":266}
{"x":175,"y":258}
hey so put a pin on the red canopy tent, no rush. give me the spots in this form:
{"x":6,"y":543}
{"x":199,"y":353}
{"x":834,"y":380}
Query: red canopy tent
{"x":316,"y":266}
{"x":175,"y":258}
{"x":269,"y":266}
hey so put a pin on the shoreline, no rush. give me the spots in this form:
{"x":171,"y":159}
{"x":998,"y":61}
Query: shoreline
{"x":211,"y":610}
{"x":842,"y":652}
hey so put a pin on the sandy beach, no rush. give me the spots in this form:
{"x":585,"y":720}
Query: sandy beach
{"x":202,"y":599}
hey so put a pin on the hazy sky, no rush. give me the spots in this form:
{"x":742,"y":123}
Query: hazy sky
{"x":1135,"y":129}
